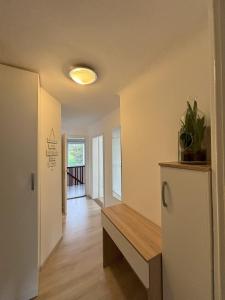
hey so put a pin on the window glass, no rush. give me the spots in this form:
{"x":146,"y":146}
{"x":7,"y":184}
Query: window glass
{"x":76,"y":154}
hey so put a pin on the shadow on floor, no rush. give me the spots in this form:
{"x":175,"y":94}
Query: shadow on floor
{"x":130,"y":286}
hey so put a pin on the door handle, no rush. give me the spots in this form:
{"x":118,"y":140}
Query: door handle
{"x":32,"y":181}
{"x":164,"y":184}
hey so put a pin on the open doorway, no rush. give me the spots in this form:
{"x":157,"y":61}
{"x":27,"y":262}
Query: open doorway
{"x":76,"y":168}
{"x":98,"y":169}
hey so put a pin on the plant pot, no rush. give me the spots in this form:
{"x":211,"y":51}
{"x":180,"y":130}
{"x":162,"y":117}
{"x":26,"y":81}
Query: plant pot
{"x":198,"y":157}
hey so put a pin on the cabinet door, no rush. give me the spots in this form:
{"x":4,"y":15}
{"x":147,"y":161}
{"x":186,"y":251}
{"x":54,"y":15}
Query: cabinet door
{"x":187,"y":235}
{"x":18,"y":195}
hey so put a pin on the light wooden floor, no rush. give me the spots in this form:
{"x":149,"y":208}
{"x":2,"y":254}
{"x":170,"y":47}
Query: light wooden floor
{"x":75,"y":191}
{"x":74,"y":270}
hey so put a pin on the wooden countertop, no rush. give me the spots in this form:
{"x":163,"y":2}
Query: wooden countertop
{"x":144,"y":235}
{"x":178,"y":165}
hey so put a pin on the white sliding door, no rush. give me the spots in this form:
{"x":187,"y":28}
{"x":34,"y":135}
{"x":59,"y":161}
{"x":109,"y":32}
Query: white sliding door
{"x":98,"y":168}
{"x":18,"y":189}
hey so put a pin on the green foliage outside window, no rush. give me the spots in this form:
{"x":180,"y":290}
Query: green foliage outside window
{"x":76,"y":155}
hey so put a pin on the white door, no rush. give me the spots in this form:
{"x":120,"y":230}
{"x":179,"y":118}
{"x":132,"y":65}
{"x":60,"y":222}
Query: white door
{"x":95,"y":176}
{"x":64,"y":174}
{"x":101,"y":169}
{"x":186,"y":235}
{"x":98,"y":168}
{"x":18,"y":189}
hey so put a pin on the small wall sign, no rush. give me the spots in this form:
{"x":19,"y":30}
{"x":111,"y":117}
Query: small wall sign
{"x":51,"y":151}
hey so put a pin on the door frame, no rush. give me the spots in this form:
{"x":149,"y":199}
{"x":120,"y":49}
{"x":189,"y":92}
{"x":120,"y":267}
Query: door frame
{"x":217,"y":108}
{"x":91,"y":168}
{"x":64,"y":172}
{"x":86,"y":153}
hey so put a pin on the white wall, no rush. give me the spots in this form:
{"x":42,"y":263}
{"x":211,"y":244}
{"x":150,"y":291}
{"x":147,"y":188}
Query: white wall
{"x":150,"y":111}
{"x":75,"y":131}
{"x":104,"y":127}
{"x":50,"y":193}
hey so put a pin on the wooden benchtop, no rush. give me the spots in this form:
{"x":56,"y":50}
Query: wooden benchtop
{"x":144,"y":235}
{"x":178,"y":165}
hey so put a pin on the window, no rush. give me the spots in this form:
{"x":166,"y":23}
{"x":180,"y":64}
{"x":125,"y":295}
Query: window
{"x":116,"y":163}
{"x":76,"y":152}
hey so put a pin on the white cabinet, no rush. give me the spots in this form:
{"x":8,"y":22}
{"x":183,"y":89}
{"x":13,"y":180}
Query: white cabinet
{"x":186,"y":232}
{"x":18,"y":188}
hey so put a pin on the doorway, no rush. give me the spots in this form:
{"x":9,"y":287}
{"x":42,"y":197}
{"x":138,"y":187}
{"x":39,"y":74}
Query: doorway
{"x":98,"y":169}
{"x":76,"y":168}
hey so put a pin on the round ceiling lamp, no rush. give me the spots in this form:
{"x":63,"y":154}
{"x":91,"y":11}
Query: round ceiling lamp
{"x":83,"y":75}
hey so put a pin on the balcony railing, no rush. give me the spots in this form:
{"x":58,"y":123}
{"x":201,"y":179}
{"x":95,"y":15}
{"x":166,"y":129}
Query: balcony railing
{"x":76,"y":175}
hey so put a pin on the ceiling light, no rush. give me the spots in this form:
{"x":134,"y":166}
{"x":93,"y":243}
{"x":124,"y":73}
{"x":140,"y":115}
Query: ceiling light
{"x":83,"y":75}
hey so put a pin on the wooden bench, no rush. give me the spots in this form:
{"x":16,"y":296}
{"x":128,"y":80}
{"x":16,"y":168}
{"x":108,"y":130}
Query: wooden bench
{"x":127,"y":233}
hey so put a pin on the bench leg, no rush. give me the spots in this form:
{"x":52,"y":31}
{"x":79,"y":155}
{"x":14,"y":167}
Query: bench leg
{"x":155,"y":279}
{"x":110,"y":251}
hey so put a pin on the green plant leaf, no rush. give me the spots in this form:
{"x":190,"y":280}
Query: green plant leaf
{"x":194,"y":125}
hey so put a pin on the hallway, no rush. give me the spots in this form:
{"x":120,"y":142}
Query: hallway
{"x":74,"y":270}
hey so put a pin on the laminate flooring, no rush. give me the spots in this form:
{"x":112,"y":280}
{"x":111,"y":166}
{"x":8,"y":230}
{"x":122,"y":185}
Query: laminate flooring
{"x":74,"y":270}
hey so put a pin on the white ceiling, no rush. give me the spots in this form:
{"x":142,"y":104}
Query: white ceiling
{"x":119,"y":38}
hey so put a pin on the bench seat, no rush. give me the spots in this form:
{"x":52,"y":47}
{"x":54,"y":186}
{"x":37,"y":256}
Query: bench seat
{"x":127,"y":233}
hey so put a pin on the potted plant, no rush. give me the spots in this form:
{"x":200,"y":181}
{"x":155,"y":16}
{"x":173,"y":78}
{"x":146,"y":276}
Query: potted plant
{"x":191,"y":135}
